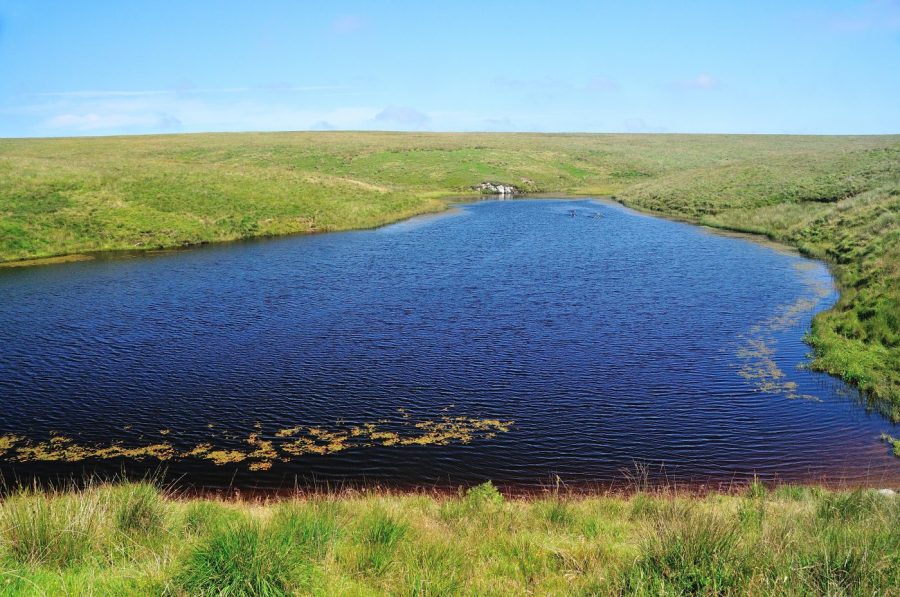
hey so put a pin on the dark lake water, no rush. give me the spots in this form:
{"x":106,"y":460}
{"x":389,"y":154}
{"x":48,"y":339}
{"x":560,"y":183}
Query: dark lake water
{"x":512,"y":341}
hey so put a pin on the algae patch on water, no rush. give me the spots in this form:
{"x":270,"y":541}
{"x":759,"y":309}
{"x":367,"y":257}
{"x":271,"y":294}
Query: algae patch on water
{"x":756,"y":348}
{"x":7,"y":442}
{"x":65,"y":449}
{"x":894,"y":443}
{"x":262,"y":450}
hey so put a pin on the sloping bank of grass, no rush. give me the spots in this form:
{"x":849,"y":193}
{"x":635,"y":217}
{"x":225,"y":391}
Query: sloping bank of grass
{"x":837,"y":198}
{"x":131,"y":540}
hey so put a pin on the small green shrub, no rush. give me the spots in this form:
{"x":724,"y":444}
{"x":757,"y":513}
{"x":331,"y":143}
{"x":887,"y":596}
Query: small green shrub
{"x":484,"y":496}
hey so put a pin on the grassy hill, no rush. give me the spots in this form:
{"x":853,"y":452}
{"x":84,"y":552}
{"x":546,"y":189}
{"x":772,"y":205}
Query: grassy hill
{"x":837,"y":198}
{"x":133,"y":540}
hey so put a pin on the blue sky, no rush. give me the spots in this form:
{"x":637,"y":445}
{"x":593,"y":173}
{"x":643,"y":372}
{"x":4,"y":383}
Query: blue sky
{"x":97,"y":67}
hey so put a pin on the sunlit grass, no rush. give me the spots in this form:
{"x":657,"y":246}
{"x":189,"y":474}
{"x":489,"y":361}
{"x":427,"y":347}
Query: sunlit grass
{"x":131,"y":539}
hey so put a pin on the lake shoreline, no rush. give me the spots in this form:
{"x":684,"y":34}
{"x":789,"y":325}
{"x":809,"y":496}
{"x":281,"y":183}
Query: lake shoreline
{"x":627,"y":487}
{"x":448,"y":202}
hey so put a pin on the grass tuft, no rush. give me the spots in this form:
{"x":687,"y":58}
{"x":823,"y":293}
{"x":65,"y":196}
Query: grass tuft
{"x":51,"y":530}
{"x":311,"y":528}
{"x":844,"y":507}
{"x":241,"y":560}
{"x":688,"y":553}
{"x":378,"y":538}
{"x":140,"y":509}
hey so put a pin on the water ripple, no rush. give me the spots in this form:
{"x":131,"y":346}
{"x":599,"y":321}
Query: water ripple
{"x":608,"y":341}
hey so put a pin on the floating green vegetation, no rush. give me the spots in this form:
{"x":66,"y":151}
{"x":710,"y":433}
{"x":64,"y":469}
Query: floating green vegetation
{"x":7,"y":442}
{"x":263,"y":451}
{"x":757,"y":347}
{"x":61,"y":448}
{"x":895,"y":443}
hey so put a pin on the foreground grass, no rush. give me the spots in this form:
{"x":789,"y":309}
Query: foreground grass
{"x":131,"y":540}
{"x":837,"y":198}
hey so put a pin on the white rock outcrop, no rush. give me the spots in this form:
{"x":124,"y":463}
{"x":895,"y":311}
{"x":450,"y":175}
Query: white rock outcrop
{"x":497,"y":188}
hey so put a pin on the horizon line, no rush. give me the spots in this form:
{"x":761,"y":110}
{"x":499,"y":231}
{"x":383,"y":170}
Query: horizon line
{"x":445,"y":132}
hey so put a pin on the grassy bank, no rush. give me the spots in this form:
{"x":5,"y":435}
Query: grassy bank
{"x":132,"y":540}
{"x":834,"y":197}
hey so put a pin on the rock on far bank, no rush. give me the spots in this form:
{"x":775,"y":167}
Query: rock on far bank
{"x":497,"y":188}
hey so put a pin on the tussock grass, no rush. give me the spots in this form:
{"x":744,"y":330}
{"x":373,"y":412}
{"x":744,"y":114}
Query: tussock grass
{"x":51,"y":530}
{"x":376,"y":541}
{"x":245,"y":558}
{"x":688,"y":552}
{"x":791,"y":541}
{"x":140,"y":509}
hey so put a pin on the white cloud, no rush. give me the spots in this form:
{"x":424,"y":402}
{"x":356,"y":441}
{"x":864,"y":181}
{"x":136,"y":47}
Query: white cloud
{"x":95,"y":122}
{"x":701,"y":81}
{"x":403,"y":116}
{"x":147,"y":114}
{"x":540,"y":84}
{"x":92,"y":94}
{"x":106,"y":111}
{"x":131,"y":112}
{"x":184,"y":90}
